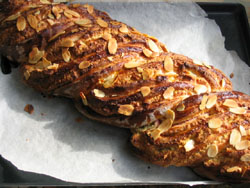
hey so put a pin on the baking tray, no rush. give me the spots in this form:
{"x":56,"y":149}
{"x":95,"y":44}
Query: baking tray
{"x":232,"y":20}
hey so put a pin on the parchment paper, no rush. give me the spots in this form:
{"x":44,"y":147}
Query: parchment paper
{"x":90,"y":152}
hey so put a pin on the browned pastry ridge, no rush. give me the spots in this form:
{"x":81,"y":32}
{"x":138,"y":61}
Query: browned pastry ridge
{"x":122,"y":77}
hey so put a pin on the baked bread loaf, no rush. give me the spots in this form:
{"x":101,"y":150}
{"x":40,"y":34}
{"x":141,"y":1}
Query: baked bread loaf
{"x":114,"y":73}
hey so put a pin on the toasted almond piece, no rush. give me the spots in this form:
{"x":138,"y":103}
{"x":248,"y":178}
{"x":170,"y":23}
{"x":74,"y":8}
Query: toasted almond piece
{"x":197,"y":62}
{"x":200,"y":89}
{"x":145,"y":90}
{"x":180,"y":107}
{"x":189,"y":145}
{"x":168,"y":93}
{"x":66,"y":54}
{"x":21,"y":23}
{"x":26,"y":75}
{"x":45,"y":2}
{"x":203,"y":102}
{"x":54,"y":66}
{"x":99,"y":93}
{"x":214,"y":123}
{"x":56,"y":35}
{"x":168,"y":64}
{"x":123,"y":28}
{"x":153,"y":46}
{"x":147,"y":52}
{"x":70,"y":13}
{"x":84,"y":99}
{"x":32,"y":21}
{"x":84,"y":65}
{"x":83,"y":22}
{"x":238,"y":110}
{"x":67,"y":43}
{"x":235,"y":137}
{"x":35,"y":55}
{"x":108,"y":81}
{"x":107,"y":36}
{"x":13,"y":17}
{"x":245,"y":158}
{"x":126,"y":109}
{"x":206,"y":65}
{"x":56,"y":11}
{"x":212,"y":99}
{"x":51,"y":16}
{"x":170,"y":114}
{"x":90,"y":8}
{"x":230,"y":103}
{"x":165,"y":125}
{"x":76,"y":5}
{"x":51,"y":22}
{"x":112,"y":46}
{"x":244,"y":144}
{"x":234,"y":169}
{"x":212,"y":150}
{"x":133,"y":63}
{"x":223,"y":83}
{"x":101,"y":22}
{"x":243,"y":131}
{"x":155,"y":134}
{"x":46,"y":62}
{"x":110,"y":58}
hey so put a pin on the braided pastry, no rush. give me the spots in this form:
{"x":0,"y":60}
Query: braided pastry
{"x":116,"y":75}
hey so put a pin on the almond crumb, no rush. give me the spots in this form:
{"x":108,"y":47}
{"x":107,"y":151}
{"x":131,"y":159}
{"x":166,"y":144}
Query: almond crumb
{"x":29,"y":108}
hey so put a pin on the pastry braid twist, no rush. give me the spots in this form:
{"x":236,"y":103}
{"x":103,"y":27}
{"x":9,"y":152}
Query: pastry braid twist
{"x":122,"y":77}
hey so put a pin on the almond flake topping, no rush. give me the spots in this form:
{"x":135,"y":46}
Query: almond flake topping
{"x":107,"y":36}
{"x":165,"y":125}
{"x":90,"y":8}
{"x":133,"y":63}
{"x":126,"y":109}
{"x":197,"y":62}
{"x":32,"y":21}
{"x":212,"y":150}
{"x":235,"y":137}
{"x":112,"y":46}
{"x":101,"y":22}
{"x":243,"y":131}
{"x":170,"y":114}
{"x":168,"y":64}
{"x":21,"y":23}
{"x":155,"y":134}
{"x":244,"y":144}
{"x":84,"y":65}
{"x":70,"y":13}
{"x":83,"y":22}
{"x":123,"y":28}
{"x":56,"y":11}
{"x":234,"y":169}
{"x":245,"y":158}
{"x":84,"y":99}
{"x":13,"y":17}
{"x":56,"y":35}
{"x":168,"y":93}
{"x":108,"y":81}
{"x":203,"y":102}
{"x":223,"y":83}
{"x":200,"y":89}
{"x":35,"y":55}
{"x":214,"y":123}
{"x":99,"y":93}
{"x":147,"y":52}
{"x":26,"y":75}
{"x":51,"y":22}
{"x":66,"y":54}
{"x":67,"y":43}
{"x":153,"y":46}
{"x":238,"y":110}
{"x":145,"y":91}
{"x":230,"y":103}
{"x":45,"y":2}
{"x":189,"y":145}
{"x":180,"y":107}
{"x":211,"y":101}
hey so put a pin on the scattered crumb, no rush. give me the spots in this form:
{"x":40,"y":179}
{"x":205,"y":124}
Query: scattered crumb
{"x":79,"y":119}
{"x":113,"y":160}
{"x":29,"y":108}
{"x":231,"y":75}
{"x":148,"y":167}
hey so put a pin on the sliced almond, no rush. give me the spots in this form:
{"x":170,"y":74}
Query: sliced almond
{"x":243,"y":131}
{"x":13,"y":17}
{"x":67,"y":43}
{"x":99,"y":93}
{"x":147,"y":52}
{"x":153,"y":46}
{"x":214,"y":123}
{"x":32,"y":21}
{"x":168,"y":93}
{"x":145,"y":91}
{"x":165,"y":125}
{"x":107,"y":36}
{"x":84,"y":65}
{"x":230,"y":103}
{"x":180,"y":107}
{"x":170,"y":114}
{"x":90,"y":8}
{"x":238,"y":110}
{"x":212,"y":150}
{"x":55,"y":66}
{"x":168,"y":64}
{"x":46,"y":62}
{"x":83,"y":22}
{"x":235,"y":137}
{"x":200,"y":89}
{"x":189,"y":145}
{"x":76,"y":5}
{"x":155,"y":134}
{"x":56,"y":35}
{"x":108,"y":81}
{"x":51,"y":16}
{"x":223,"y":83}
{"x":123,"y":28}
{"x":101,"y":22}
{"x":112,"y":46}
{"x":234,"y":169}
{"x":51,"y":22}
{"x":45,"y":2}
{"x":21,"y":23}
{"x":244,"y":144}
{"x":84,"y":99}
{"x":133,"y":63}
{"x":70,"y":13}
{"x":203,"y":102}
{"x":35,"y":55}
{"x":66,"y":54}
{"x":56,"y":11}
{"x":245,"y":158}
{"x":126,"y":109}
{"x":26,"y":75}
{"x":197,"y":62}
{"x":212,"y":99}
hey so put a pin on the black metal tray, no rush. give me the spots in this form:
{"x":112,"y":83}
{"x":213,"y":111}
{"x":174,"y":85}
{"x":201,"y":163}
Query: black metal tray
{"x":232,"y":20}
